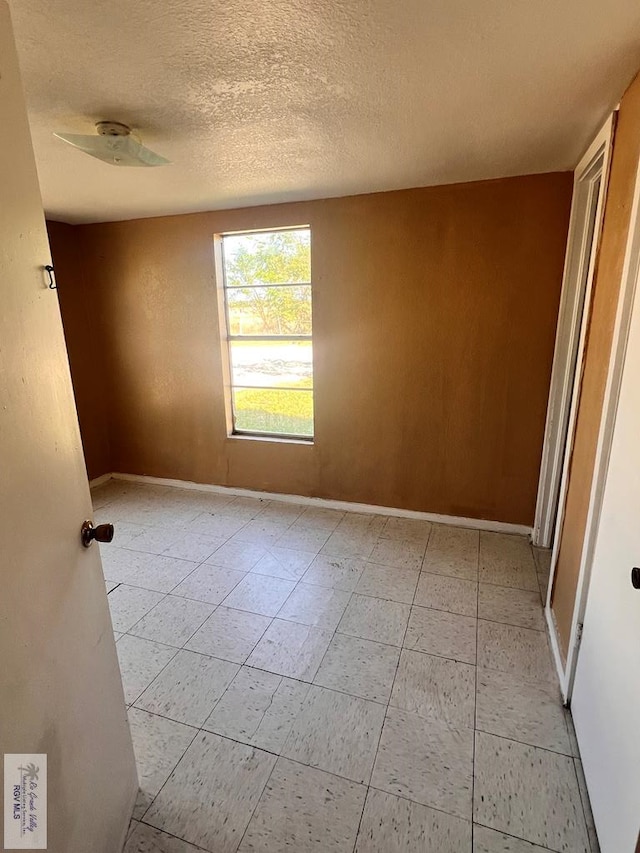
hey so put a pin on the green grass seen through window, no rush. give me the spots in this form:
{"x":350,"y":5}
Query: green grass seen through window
{"x":271,"y":410}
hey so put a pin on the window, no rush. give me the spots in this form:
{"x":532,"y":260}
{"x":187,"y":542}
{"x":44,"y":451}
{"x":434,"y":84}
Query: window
{"x":267,"y":298}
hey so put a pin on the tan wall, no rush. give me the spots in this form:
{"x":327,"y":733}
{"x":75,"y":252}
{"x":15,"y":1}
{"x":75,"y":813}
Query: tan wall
{"x":434,"y":322}
{"x":85,"y":352}
{"x":604,"y":303}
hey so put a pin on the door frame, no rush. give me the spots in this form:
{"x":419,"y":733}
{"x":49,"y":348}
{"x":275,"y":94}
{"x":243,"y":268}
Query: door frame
{"x":628,"y":285}
{"x":572,"y":326}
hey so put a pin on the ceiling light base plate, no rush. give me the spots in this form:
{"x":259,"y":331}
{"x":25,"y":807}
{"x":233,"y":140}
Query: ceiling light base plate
{"x":112,"y":128}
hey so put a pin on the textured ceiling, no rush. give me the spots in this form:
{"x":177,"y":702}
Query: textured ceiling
{"x":279,"y":100}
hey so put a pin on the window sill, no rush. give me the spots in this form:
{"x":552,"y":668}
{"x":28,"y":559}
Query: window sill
{"x":271,"y":439}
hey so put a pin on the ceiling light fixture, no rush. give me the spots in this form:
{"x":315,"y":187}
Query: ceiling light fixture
{"x":114,"y":144}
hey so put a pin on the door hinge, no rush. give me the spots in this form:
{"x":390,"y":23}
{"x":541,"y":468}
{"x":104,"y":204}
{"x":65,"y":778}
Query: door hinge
{"x":579,"y":630}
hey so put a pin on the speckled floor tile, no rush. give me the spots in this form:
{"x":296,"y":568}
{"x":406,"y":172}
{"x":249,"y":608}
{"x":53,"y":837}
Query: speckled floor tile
{"x":455,"y":595}
{"x":447,"y":635}
{"x":203,"y":501}
{"x":218,"y":526}
{"x":239,"y":556}
{"x":158,"y":744}
{"x":528,"y":712}
{"x":260,"y":594}
{"x":164,"y":515}
{"x":336,"y":572}
{"x":291,"y":649}
{"x":125,"y":532}
{"x":435,"y":688}
{"x":507,"y":560}
{"x":406,"y":529}
{"x":530,"y":793}
{"x":394,"y":825}
{"x":350,"y":542}
{"x":586,"y":807}
{"x":543,"y":584}
{"x":110,"y":586}
{"x":154,"y":540}
{"x":211,"y":795}
{"x":258,"y":708}
{"x":188,"y":688}
{"x":511,"y":606}
{"x":375,"y":619}
{"x":305,"y":810}
{"x":489,"y":841}
{"x":103,"y":493}
{"x":364,"y":523}
{"x":399,"y":553}
{"x":303,"y":539}
{"x":132,"y":826}
{"x":193,"y":546}
{"x":244,"y":508}
{"x":140,"y":662}
{"x":209,"y":583}
{"x":146,"y":839}
{"x":388,"y":582}
{"x":260,"y":532}
{"x":229,"y":634}
{"x":284,"y":563}
{"x":573,"y":740}
{"x":518,"y":651}
{"x":452,"y":551}
{"x":283,"y":511}
{"x":359,"y":667}
{"x":115,"y":490}
{"x":308,"y":567}
{"x":128,"y":604}
{"x":319,"y":518}
{"x":315,"y":605}
{"x":150,"y":571}
{"x":542,"y":557}
{"x":336,"y":733}
{"x":248,"y":503}
{"x":173,"y":620}
{"x":117,"y":514}
{"x":426,"y":761}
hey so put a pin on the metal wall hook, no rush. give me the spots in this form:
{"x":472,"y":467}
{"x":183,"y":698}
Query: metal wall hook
{"x":52,"y":283}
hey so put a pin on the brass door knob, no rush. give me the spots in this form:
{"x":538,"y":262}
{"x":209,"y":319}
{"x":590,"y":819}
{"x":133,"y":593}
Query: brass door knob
{"x":101,"y":533}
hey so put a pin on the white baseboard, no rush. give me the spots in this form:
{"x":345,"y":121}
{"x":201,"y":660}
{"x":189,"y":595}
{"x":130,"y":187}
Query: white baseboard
{"x":98,"y":481}
{"x":348,"y":506}
{"x":555,"y":651}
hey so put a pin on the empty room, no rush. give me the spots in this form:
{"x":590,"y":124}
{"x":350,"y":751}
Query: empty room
{"x":319,"y":418}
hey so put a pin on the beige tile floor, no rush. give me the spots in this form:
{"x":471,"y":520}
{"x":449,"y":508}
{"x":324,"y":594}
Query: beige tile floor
{"x":303,"y":679}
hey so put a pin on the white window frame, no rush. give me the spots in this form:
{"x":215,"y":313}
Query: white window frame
{"x":227,"y":339}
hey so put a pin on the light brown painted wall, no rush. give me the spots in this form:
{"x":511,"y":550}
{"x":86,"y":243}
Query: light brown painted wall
{"x":85,"y":352}
{"x":604,"y":303}
{"x":434,"y":322}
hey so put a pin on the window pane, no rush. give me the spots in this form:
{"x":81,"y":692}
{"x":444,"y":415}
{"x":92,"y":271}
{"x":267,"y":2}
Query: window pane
{"x":271,"y":364}
{"x":274,"y":257}
{"x":269,"y":310}
{"x":273,"y":411}
{"x":267,"y":278}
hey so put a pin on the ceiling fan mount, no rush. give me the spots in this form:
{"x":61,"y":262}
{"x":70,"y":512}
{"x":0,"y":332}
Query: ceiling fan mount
{"x":115,"y":144}
{"x":112,"y":128}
